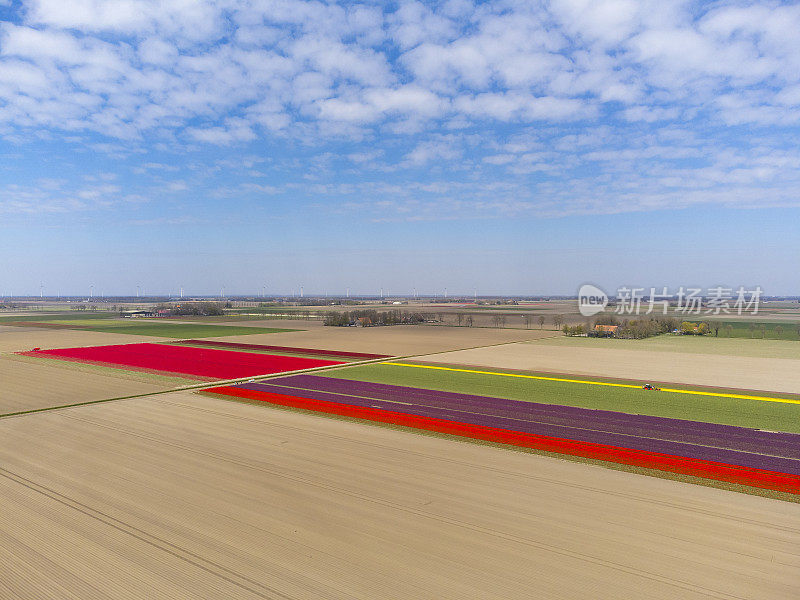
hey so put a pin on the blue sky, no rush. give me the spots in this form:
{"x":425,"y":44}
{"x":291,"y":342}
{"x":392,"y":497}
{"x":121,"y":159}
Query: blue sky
{"x":503,"y":147}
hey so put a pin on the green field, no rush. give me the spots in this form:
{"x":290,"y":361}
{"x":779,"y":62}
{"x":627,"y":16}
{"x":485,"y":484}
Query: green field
{"x":65,"y":316}
{"x":111,"y":323}
{"x":183,"y":330}
{"x":755,"y":414}
{"x":768,"y":330}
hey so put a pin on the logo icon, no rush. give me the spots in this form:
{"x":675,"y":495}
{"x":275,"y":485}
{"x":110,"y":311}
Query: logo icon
{"x":591,"y":300}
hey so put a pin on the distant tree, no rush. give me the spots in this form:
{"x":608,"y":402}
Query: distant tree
{"x":688,"y":328}
{"x":576,"y":330}
{"x":459,"y":319}
{"x":702,"y":329}
{"x":541,"y":321}
{"x":716,"y":326}
{"x":336,"y":319}
{"x":469,"y":320}
{"x":496,"y":320}
{"x":778,"y":332}
{"x":527,"y":320}
{"x":502,"y":320}
{"x":752,"y":330}
{"x":558,"y":320}
{"x":729,"y":330}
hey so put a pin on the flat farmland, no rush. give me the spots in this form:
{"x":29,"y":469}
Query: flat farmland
{"x":202,"y":363}
{"x":626,"y":361}
{"x":20,"y":339}
{"x":148,"y":327}
{"x":32,"y":384}
{"x":750,"y":460}
{"x":724,"y":410}
{"x":396,"y":340}
{"x":187,"y":496}
{"x":689,"y":344}
{"x":185,"y":330}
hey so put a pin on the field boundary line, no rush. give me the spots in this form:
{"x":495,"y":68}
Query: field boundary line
{"x":299,"y":391}
{"x":587,"y":382}
{"x":189,"y":388}
{"x":737,"y":474}
{"x":206,"y":384}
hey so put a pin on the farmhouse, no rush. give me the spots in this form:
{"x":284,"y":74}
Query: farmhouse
{"x":606,"y":329}
{"x":133,"y":314}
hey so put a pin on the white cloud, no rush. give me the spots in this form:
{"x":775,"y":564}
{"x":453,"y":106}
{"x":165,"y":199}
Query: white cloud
{"x":56,"y":196}
{"x":157,"y":52}
{"x":232,"y":131}
{"x":426,"y":152}
{"x":127,"y":67}
{"x":177,"y":186}
{"x":190,"y":19}
{"x":428,"y":85}
{"x":517,"y":107}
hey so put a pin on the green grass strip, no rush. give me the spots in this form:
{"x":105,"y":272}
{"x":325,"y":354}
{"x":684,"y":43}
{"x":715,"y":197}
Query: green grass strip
{"x":631,"y":399}
{"x":622,"y":385}
{"x":183,"y":330}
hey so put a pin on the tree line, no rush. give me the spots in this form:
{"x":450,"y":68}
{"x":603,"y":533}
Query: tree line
{"x":194,"y":309}
{"x":371,"y":317}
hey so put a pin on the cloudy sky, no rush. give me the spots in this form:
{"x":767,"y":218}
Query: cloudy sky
{"x":518,"y":147}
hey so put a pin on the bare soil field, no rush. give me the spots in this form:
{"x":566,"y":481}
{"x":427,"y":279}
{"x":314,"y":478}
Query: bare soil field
{"x":561,"y":356}
{"x":757,"y":348}
{"x":19,"y":339}
{"x":187,"y":496}
{"x":397,"y":340}
{"x":30,"y":384}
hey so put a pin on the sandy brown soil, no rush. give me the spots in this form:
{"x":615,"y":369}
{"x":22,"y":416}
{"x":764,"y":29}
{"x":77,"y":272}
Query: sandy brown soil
{"x":183,"y":496}
{"x":397,"y":340}
{"x":690,"y":344}
{"x":19,"y":339}
{"x":751,"y":373}
{"x":29,"y":384}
